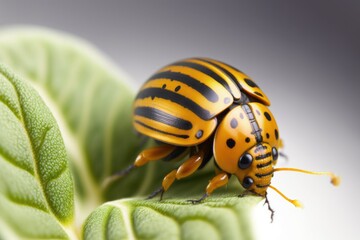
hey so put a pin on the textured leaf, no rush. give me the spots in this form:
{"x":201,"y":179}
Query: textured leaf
{"x":92,"y":104}
{"x":218,"y":218}
{"x":36,"y":189}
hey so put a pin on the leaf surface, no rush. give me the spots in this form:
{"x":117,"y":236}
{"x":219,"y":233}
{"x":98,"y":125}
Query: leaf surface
{"x":218,"y":218}
{"x":92,"y":104}
{"x":36,"y":188}
{"x":90,"y":101}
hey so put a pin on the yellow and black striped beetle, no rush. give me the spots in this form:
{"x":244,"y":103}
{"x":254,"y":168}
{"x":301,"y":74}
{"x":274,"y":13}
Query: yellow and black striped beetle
{"x":209,"y":109}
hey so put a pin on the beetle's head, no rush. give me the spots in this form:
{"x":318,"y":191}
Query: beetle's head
{"x":250,"y":151}
{"x":256,"y":168}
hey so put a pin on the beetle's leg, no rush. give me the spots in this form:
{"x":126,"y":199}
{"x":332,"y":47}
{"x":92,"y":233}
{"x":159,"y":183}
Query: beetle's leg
{"x":186,"y":169}
{"x":147,"y":155}
{"x":218,"y":181}
{"x":281,"y":144}
{"x":281,"y":147}
{"x":156,"y":192}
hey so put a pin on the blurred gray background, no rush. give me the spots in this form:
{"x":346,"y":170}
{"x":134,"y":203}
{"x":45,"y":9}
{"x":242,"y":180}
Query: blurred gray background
{"x":304,"y":54}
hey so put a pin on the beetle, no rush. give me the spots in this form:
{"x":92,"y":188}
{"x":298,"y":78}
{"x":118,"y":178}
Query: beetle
{"x":208,"y":109}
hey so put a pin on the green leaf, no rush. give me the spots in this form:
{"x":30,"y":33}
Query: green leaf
{"x":36,"y":188}
{"x":92,"y":104}
{"x":217,"y":218}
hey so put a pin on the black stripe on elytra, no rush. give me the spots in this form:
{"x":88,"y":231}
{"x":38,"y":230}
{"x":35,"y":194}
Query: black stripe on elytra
{"x":160,"y":131}
{"x":234,"y":68}
{"x":231,"y":76}
{"x":202,"y":88}
{"x":251,"y":83}
{"x":206,"y":71}
{"x":163,"y":117}
{"x":264,"y":175}
{"x":176,"y":98}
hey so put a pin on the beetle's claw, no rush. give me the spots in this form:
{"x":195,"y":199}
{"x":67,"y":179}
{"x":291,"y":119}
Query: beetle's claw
{"x":124,"y":172}
{"x":241,"y":195}
{"x":244,"y":193}
{"x":283,"y":155}
{"x":156,"y":192}
{"x":197,"y":201}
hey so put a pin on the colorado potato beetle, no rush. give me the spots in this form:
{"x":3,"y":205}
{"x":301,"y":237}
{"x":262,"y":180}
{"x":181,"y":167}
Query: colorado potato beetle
{"x":210,"y":110}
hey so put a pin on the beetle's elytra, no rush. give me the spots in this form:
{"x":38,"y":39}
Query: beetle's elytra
{"x":207,"y":109}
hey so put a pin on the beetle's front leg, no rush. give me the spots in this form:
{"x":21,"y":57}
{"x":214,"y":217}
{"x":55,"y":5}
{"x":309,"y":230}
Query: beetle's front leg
{"x":147,"y":155}
{"x":218,"y":181}
{"x":281,"y":147}
{"x":186,"y":169}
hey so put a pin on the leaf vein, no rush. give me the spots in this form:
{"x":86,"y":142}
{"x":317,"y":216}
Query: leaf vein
{"x":58,"y":175}
{"x":108,"y":135}
{"x":126,"y":215}
{"x":106,"y":224}
{"x":43,"y":136}
{"x":12,"y":161}
{"x":36,"y":172}
{"x":13,"y":111}
{"x":26,"y":204}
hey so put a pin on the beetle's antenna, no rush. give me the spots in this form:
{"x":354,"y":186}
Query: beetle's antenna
{"x":295,"y":202}
{"x":335,"y":180}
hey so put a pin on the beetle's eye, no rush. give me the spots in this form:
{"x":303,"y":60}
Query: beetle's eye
{"x":247,"y":182}
{"x":275,"y":153}
{"x":245,"y":161}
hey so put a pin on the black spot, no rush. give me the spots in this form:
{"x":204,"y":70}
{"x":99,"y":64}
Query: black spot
{"x":276,"y":134}
{"x":250,"y":82}
{"x":230,"y":143}
{"x":267,"y":115}
{"x":177,"y":88}
{"x":200,"y":87}
{"x":152,"y":97}
{"x":163,"y":86}
{"x":199,"y":134}
{"x":258,"y":112}
{"x":247,"y":139}
{"x":233,"y":123}
{"x":267,"y":136}
{"x":259,"y":94}
{"x":226,"y":100}
{"x":241,"y":116}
